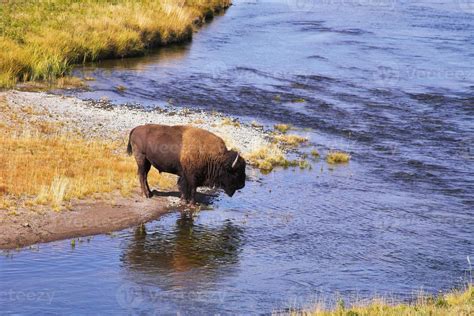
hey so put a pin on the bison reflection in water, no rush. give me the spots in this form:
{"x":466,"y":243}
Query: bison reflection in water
{"x":197,"y":156}
{"x":184,"y":254}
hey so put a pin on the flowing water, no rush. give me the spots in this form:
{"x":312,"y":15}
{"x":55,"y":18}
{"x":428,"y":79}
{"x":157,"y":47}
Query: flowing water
{"x":391,"y":82}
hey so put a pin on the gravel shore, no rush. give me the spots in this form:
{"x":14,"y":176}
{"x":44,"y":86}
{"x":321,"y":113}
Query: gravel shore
{"x":102,"y":119}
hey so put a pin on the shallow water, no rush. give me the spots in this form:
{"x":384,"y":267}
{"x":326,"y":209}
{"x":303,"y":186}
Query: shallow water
{"x":390,"y":82}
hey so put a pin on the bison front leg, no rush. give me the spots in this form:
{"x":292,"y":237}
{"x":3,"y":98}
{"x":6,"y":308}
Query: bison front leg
{"x":143,"y":168}
{"x":187,"y":187}
{"x":183,"y":189}
{"x":191,"y":190}
{"x":193,"y":195}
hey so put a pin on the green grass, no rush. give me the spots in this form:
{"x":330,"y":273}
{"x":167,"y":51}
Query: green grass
{"x":450,"y":304}
{"x":42,"y":39}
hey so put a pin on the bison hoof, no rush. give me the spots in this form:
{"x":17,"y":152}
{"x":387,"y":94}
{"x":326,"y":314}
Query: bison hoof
{"x":192,"y":203}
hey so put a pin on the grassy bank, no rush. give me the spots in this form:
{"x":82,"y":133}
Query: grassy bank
{"x":451,"y":304}
{"x":40,"y":40}
{"x":41,"y":163}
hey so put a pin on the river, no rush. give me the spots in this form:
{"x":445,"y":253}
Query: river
{"x":391,"y":82}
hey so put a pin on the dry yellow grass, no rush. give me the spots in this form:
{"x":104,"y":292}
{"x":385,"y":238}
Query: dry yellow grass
{"x":302,"y":164}
{"x":67,"y":82}
{"x":120,"y":88}
{"x":43,"y":169}
{"x":267,"y":158}
{"x":282,"y":128}
{"x":198,"y":121}
{"x":36,"y":168}
{"x":40,"y":164}
{"x":315,"y":153}
{"x":335,"y":157}
{"x":290,"y":140}
{"x":452,"y":304}
{"x":40,"y":40}
{"x":230,"y":122}
{"x":298,"y":100}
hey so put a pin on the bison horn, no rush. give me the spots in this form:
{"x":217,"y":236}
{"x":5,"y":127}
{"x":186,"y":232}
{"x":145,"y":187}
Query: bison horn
{"x":235,"y":161}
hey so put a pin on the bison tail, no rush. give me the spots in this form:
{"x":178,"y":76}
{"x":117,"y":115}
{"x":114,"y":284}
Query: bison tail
{"x":129,"y":146}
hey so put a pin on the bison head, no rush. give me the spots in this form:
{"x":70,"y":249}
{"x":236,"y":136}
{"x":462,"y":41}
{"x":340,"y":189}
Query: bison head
{"x":233,"y":177}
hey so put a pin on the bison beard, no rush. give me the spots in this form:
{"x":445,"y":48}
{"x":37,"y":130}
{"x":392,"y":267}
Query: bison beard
{"x":197,"y":156}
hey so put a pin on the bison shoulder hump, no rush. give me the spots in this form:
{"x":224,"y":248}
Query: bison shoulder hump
{"x":202,"y":141}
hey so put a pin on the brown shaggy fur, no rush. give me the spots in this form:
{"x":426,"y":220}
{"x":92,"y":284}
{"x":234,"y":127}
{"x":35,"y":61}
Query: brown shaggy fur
{"x":197,"y":156}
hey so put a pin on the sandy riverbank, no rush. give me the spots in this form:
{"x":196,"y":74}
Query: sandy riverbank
{"x":23,"y":224}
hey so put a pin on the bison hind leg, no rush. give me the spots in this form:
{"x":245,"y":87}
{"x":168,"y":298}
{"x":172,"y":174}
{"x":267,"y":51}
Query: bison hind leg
{"x":144,"y":166}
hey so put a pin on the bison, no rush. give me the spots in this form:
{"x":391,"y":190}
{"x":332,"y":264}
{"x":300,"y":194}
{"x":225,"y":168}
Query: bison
{"x":198,"y":157}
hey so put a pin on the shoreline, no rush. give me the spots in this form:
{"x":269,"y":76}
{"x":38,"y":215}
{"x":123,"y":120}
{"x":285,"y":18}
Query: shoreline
{"x":22,"y":226}
{"x":100,"y":31}
{"x":85,"y":218}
